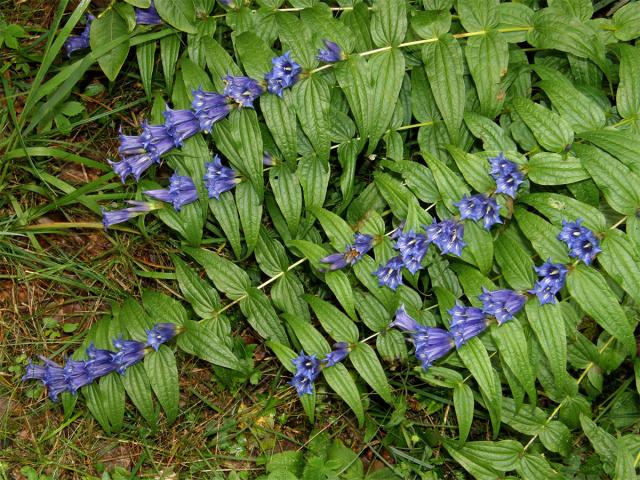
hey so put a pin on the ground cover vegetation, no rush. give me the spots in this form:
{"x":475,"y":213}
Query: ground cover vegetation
{"x":305,"y":239}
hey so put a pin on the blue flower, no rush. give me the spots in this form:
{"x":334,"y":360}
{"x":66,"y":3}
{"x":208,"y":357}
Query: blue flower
{"x":134,"y":165}
{"x":243,"y":90}
{"x":100,"y":362}
{"x":128,"y":353}
{"x":552,"y":277}
{"x":218,"y":178}
{"x":181,"y":192}
{"x":267,"y":160}
{"x":339,"y":353}
{"x":447,"y":235}
{"x":77,"y":375}
{"x":34,"y":372}
{"x":148,"y":16}
{"x":54,"y":380}
{"x":404,"y":321}
{"x":480,"y":207}
{"x":79,"y":42}
{"x":507,"y":175}
{"x":466,"y":323}
{"x":412,"y":247}
{"x":431,"y":344}
{"x":130,"y":145}
{"x":283,"y":74}
{"x":159,"y":334}
{"x":181,"y":124}
{"x":209,"y":108}
{"x":156,"y":140}
{"x":390,"y":274}
{"x":124,"y":215}
{"x":307,"y":365}
{"x":582,"y":242}
{"x":502,"y":304}
{"x":331,"y":53}
{"x":351,"y":254}
{"x":302,"y":384}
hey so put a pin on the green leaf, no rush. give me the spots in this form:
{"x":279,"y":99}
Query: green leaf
{"x":391,"y":345}
{"x":555,"y":436}
{"x":550,"y":130}
{"x":136,"y":384}
{"x":310,"y":338}
{"x":262,"y":317}
{"x":137,"y":321}
{"x":313,"y":175}
{"x":250,"y":210}
{"x":450,"y":185}
{"x":366,"y":363}
{"x":226,"y":276}
{"x":163,"y":309}
{"x":628,"y":94}
{"x":623,"y":145}
{"x":338,"y":231}
{"x":107,"y":28}
{"x":488,"y":59}
{"x":536,"y":467}
{"x":578,"y":110}
{"x":542,"y":235}
{"x":271,"y":255}
{"x":473,"y":168}
{"x":339,"y":284}
{"x":502,"y":455}
{"x":254,"y":54}
{"x":627,"y":22}
{"x":444,"y":67}
{"x":514,"y":15}
{"x":463,"y":403}
{"x":280,"y":117}
{"x":146,"y":53}
{"x":625,"y":464}
{"x":163,"y":376}
{"x":288,"y":194}
{"x":621,"y":261}
{"x":336,"y":323}
{"x":199,"y":340}
{"x":477,"y":467}
{"x":476,"y":359}
{"x":556,"y":31}
{"x":386,"y":83}
{"x":619,"y":185}
{"x":479,"y":249}
{"x":340,"y":381}
{"x":284,"y":354}
{"x":396,"y":195}
{"x":112,"y":398}
{"x":547,"y":323}
{"x":226,"y":213}
{"x":478,"y":14}
{"x":311,"y":100}
{"x":169,"y":51}
{"x":492,"y":135}
{"x":180,"y":14}
{"x":589,"y":288}
{"x":603,"y":443}
{"x":201,"y":295}
{"x":354,"y":79}
{"x":555,"y":169}
{"x":389,"y":22}
{"x":558,"y":207}
{"x":515,"y":263}
{"x":512,"y":345}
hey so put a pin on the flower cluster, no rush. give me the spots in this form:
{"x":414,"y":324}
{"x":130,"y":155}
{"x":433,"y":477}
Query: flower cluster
{"x":432,"y":343}
{"x":507,"y":175}
{"x":308,"y":367}
{"x":551,"y":279}
{"x":139,"y":152}
{"x":480,"y":207}
{"x":75,"y":374}
{"x":581,"y":241}
{"x":79,"y":42}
